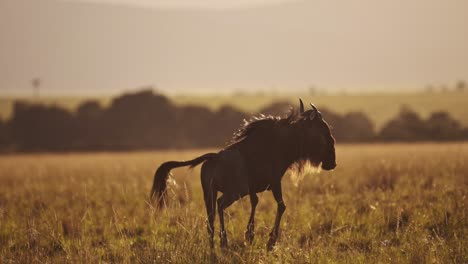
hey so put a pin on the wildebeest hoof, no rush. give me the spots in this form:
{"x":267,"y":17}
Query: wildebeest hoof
{"x":249,"y":236}
{"x":271,"y":243}
{"x":224,"y":241}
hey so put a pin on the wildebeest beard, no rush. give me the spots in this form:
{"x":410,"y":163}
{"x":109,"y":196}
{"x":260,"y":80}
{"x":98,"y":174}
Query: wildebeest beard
{"x":299,"y":169}
{"x":307,"y":162}
{"x":304,"y":165}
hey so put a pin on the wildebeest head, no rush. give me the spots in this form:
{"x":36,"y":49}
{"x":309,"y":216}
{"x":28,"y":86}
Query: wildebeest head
{"x":319,"y":143}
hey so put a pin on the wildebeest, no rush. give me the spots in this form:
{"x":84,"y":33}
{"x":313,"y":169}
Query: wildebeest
{"x":256,"y":160}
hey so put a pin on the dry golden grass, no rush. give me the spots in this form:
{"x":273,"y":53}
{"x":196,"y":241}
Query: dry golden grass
{"x":383,"y":204}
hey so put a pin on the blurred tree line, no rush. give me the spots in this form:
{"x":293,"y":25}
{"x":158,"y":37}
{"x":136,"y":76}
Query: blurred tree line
{"x":145,"y":120}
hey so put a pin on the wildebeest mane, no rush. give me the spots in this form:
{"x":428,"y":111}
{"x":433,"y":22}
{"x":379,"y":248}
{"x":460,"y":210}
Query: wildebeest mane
{"x":261,"y":121}
{"x":304,"y":163}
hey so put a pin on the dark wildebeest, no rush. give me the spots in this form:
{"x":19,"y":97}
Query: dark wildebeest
{"x":261,"y":152}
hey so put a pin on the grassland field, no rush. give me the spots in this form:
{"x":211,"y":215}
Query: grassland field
{"x":383,"y":204}
{"x":379,"y":107}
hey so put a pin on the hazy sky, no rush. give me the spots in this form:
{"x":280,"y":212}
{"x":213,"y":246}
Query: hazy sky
{"x":190,"y":4}
{"x":106,"y":46}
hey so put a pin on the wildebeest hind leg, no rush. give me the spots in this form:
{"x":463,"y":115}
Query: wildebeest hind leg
{"x":223,"y":202}
{"x":209,"y":194}
{"x":210,"y":203}
{"x":250,"y":232}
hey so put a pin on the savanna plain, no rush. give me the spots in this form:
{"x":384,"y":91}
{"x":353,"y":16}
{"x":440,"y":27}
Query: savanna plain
{"x":384,"y":203}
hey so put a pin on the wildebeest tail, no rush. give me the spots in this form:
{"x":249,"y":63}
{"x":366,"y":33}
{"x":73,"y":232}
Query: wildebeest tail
{"x":158,"y":191}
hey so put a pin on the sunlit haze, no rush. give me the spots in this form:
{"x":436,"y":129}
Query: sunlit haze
{"x":109,"y":46}
{"x":200,"y":4}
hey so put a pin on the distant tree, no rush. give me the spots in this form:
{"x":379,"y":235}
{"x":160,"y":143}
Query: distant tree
{"x":352,"y":127}
{"x":441,"y":127}
{"x":193,"y":127}
{"x":141,"y":120}
{"x":461,"y":86}
{"x":407,"y":126}
{"x":144,"y":120}
{"x":89,"y":109}
{"x":41,"y":128}
{"x":464,"y":134}
{"x":356,"y":127}
{"x":90,"y":130}
{"x":3,"y":135}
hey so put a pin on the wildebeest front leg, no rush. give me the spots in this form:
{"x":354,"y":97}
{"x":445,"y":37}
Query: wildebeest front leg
{"x":276,"y":189}
{"x":223,"y":202}
{"x":250,"y":233}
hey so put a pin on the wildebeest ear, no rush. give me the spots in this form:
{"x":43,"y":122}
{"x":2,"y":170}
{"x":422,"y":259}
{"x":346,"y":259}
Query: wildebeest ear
{"x":301,"y":106}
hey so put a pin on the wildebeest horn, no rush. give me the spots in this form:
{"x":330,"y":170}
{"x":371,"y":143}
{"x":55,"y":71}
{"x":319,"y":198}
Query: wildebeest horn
{"x":301,"y":106}
{"x":314,"y":113}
